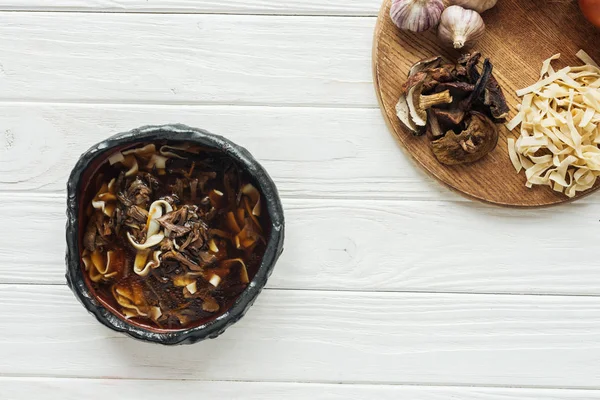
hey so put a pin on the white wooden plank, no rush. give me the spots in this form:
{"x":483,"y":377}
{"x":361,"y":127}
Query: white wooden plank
{"x":123,"y":389}
{"x":325,"y":337}
{"x":367,"y":245}
{"x":155,"y":58}
{"x":299,"y":7}
{"x":309,"y":152}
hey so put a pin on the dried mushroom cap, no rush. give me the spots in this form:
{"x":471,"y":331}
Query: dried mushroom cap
{"x":478,"y":139}
{"x":425,"y":64}
{"x":403,"y":113}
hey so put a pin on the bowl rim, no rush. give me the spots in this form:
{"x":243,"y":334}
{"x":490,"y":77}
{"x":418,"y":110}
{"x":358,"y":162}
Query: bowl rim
{"x":174,"y":133}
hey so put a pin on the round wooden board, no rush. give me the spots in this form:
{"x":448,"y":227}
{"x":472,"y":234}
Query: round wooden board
{"x":520,"y":35}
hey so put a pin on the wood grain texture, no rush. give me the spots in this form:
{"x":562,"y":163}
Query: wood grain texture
{"x":17,"y":388}
{"x":519,"y":36}
{"x":325,"y":337}
{"x":298,"y":7}
{"x":363,"y":245}
{"x":182,"y":59}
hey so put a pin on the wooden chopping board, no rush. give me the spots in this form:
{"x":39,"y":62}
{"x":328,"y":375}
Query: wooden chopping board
{"x":520,"y":35}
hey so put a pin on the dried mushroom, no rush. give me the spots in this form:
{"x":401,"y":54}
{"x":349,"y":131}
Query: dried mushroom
{"x":174,"y":234}
{"x":417,"y":104}
{"x":494,"y":99}
{"x":426,"y":64}
{"x":479,"y":137}
{"x":455,"y":105}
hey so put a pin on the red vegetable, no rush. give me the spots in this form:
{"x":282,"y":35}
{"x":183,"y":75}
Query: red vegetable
{"x":591,"y":10}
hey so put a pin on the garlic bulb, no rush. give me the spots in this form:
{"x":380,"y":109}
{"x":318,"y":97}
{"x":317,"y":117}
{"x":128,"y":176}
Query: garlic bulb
{"x":460,"y":28}
{"x":477,"y":5}
{"x":416,"y":15}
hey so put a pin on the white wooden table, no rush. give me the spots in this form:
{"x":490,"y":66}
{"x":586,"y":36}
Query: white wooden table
{"x":390,"y":287}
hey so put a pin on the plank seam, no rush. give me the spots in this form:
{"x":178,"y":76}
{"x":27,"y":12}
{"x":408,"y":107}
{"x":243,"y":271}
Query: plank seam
{"x":190,"y":12}
{"x":308,"y":382}
{"x":372,"y":291}
{"x":154,"y":103}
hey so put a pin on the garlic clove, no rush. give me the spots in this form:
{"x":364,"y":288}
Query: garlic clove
{"x":460,"y":27}
{"x":476,"y":5}
{"x":416,"y":15}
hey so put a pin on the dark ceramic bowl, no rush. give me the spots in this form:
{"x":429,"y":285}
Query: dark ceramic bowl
{"x":86,"y":168}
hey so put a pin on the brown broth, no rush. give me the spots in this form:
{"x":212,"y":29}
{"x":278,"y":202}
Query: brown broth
{"x":157,"y":287}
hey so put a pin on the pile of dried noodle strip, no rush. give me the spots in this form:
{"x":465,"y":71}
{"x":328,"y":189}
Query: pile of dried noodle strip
{"x":559,"y":133}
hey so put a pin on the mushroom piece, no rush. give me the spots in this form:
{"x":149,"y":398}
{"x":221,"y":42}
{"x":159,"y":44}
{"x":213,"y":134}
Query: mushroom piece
{"x":137,"y":213}
{"x":480,"y":85}
{"x":434,"y":130}
{"x":478,"y":139}
{"x":138,"y":193}
{"x":174,"y":222}
{"x":469,"y":63}
{"x":209,"y":303}
{"x":412,"y":105}
{"x":403,"y":113}
{"x":185,"y":261}
{"x":426,"y":64}
{"x":443,"y":73}
{"x":493,"y":97}
{"x":451,"y":117}
{"x":418,"y":103}
{"x":458,"y":90}
{"x":91,"y":231}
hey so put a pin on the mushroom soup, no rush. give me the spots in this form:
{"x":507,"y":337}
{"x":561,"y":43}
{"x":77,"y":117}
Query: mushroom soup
{"x":174,"y":233}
